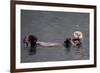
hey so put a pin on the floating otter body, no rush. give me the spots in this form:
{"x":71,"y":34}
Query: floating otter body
{"x":76,"y":40}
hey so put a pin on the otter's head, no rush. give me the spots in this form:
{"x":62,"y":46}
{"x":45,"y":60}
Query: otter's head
{"x":78,"y":34}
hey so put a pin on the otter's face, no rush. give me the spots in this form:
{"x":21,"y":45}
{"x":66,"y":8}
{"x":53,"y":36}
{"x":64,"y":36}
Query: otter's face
{"x":78,"y":34}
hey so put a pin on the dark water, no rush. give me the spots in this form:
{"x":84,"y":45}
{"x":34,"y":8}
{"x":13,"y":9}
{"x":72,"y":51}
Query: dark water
{"x":54,"y":27}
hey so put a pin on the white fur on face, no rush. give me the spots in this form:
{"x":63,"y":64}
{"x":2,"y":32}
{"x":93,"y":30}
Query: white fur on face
{"x":78,"y":34}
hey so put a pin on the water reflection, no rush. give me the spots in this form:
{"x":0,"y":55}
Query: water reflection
{"x":77,"y":53}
